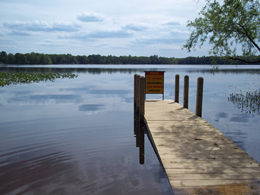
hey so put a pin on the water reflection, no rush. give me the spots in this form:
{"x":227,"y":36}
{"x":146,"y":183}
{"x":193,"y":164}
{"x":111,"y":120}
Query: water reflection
{"x":75,"y":155}
{"x":221,"y":115}
{"x":91,"y":90}
{"x":69,"y":69}
{"x":238,"y":137}
{"x":25,"y":176}
{"x":240,"y":118}
{"x":43,"y":99}
{"x":131,"y":69}
{"x":97,"y":153}
{"x":91,"y":107}
{"x":224,"y":70}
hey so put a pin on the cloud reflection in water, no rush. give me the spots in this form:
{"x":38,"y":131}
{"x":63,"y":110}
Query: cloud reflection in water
{"x":91,"y":107}
{"x":46,"y":98}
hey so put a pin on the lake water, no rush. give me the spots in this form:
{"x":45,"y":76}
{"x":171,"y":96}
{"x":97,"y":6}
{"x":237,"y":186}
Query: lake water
{"x":71,"y":131}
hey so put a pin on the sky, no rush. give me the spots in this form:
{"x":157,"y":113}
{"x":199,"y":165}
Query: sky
{"x":105,"y":27}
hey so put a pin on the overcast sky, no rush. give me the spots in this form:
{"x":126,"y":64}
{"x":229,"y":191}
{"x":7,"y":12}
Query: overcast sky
{"x":106,"y":27}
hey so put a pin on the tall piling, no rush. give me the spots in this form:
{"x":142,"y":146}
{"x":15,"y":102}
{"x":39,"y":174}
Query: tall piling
{"x":177,"y":87}
{"x":186,"y":91}
{"x":199,"y":96}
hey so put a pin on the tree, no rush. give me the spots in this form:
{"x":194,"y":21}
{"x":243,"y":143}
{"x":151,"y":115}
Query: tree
{"x":20,"y":59}
{"x":44,"y":59}
{"x":32,"y":58}
{"x":232,"y":27}
{"x":154,"y":59}
{"x":10,"y":59}
{"x":82,"y":59}
{"x":3,"y":55}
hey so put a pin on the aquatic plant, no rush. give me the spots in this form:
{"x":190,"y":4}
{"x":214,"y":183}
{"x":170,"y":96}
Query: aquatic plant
{"x":8,"y":78}
{"x":248,"y":102}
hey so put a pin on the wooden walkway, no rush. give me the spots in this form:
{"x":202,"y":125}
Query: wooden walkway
{"x":197,"y":158}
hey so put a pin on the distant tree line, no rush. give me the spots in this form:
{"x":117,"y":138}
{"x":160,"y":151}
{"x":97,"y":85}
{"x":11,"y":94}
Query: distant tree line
{"x":39,"y":58}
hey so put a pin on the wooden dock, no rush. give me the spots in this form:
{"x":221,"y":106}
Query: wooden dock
{"x":197,"y":158}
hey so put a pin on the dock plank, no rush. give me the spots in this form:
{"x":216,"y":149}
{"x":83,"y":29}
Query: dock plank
{"x":198,"y":158}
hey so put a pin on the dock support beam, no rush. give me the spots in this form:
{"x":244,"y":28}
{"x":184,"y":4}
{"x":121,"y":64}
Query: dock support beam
{"x":186,"y":91}
{"x":199,"y":97}
{"x":177,"y":86}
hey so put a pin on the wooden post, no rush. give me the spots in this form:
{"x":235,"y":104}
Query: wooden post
{"x":186,"y":92}
{"x":135,"y":91}
{"x":199,"y":97}
{"x":136,"y":108}
{"x":177,"y":85}
{"x":138,"y":94}
{"x":142,"y":96}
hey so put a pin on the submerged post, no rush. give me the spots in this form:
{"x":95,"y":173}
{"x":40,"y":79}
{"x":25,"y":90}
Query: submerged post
{"x":199,"y":97}
{"x":177,"y":84}
{"x":142,"y":96}
{"x":141,"y":145}
{"x":186,"y":91}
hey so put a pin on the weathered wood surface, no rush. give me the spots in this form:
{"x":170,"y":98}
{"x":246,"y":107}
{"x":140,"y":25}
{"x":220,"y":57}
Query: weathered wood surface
{"x":197,"y":158}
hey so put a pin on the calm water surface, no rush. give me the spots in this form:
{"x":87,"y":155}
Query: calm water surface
{"x":75,"y":135}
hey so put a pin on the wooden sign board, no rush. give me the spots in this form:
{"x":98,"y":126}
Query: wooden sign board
{"x":154,"y":82}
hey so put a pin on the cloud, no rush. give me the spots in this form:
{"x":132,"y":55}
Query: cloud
{"x":50,"y":42}
{"x":90,"y":17}
{"x":20,"y":33}
{"x":41,"y":26}
{"x":111,"y":34}
{"x":172,"y":22}
{"x":175,"y":32}
{"x":158,"y":40}
{"x":135,"y":27}
{"x":95,"y":23}
{"x":100,"y":35}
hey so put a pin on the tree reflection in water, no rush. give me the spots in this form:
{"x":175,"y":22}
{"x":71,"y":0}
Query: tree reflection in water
{"x":248,"y":102}
{"x":8,"y":78}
